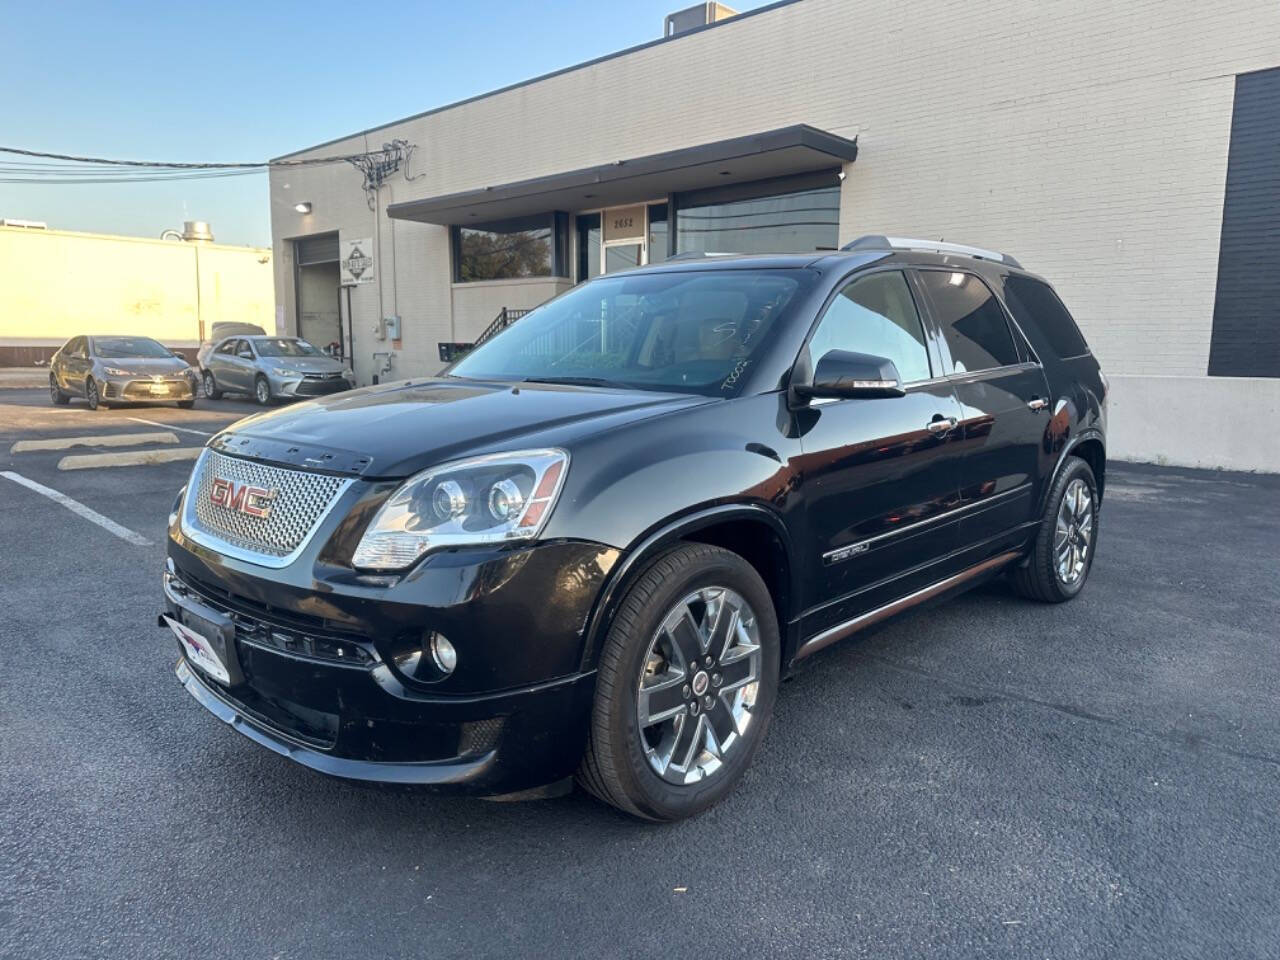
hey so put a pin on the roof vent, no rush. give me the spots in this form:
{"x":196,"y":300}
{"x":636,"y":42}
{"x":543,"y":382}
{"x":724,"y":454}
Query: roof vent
{"x":699,"y":15}
{"x":196,"y":231}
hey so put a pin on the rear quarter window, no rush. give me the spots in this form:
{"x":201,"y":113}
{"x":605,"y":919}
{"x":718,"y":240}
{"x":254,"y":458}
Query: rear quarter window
{"x":1036,"y":307}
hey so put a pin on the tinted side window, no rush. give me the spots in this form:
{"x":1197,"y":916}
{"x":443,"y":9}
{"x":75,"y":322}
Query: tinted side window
{"x":1037,"y":307}
{"x":972,"y":321}
{"x":875,"y":315}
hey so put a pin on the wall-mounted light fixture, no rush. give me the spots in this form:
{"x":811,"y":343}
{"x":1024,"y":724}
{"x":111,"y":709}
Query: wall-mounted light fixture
{"x":303,"y":207}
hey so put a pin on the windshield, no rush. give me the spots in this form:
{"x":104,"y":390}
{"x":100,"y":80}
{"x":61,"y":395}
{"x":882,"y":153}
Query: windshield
{"x":285,"y":347}
{"x":120,"y":348}
{"x":688,"y":332}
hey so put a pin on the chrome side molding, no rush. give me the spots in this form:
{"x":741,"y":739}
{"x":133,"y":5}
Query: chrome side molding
{"x":864,"y":620}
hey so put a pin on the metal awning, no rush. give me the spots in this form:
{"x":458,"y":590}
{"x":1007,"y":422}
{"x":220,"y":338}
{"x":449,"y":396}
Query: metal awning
{"x":797,"y":149}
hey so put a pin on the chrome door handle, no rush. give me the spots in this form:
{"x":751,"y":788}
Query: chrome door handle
{"x":943,"y":425}
{"x":1037,"y":403}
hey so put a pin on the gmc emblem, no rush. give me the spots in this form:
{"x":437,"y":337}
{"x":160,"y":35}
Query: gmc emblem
{"x":241,"y":497}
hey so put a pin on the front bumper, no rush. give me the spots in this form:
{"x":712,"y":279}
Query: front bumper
{"x":301,"y":386}
{"x":323,"y":691}
{"x":144,"y":389}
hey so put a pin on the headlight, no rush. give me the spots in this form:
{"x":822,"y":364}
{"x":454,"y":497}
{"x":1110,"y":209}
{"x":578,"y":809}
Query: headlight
{"x":177,"y":505}
{"x":115,"y":372}
{"x":505,"y":496}
{"x":284,"y":372}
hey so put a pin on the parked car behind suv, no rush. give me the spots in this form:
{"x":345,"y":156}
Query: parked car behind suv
{"x":594,"y":545}
{"x":220,"y":331}
{"x":267,"y":368}
{"x":108,"y":370}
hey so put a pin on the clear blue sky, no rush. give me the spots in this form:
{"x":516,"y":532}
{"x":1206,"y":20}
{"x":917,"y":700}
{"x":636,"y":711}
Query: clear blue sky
{"x":243,"y":81}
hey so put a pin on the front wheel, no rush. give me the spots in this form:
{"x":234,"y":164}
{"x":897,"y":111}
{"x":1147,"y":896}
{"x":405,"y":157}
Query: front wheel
{"x":91,"y":394}
{"x":1066,"y":539}
{"x":55,"y":392}
{"x":685,"y":686}
{"x":262,"y":391}
{"x":211,"y":386}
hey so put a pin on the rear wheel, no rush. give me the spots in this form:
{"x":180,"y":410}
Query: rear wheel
{"x":262,"y":391}
{"x":91,"y":394}
{"x":55,"y":392}
{"x":685,"y":686}
{"x":211,"y":386}
{"x":1066,"y":539}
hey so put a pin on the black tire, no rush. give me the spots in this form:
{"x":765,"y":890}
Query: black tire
{"x":211,"y":386}
{"x":262,"y":391}
{"x":614,"y":767}
{"x":91,"y":394}
{"x":56,"y":394}
{"x":1039,"y":578}
{"x":187,"y":404}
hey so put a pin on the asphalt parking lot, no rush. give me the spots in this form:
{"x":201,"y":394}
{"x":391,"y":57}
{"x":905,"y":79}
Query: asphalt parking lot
{"x":986,"y":778}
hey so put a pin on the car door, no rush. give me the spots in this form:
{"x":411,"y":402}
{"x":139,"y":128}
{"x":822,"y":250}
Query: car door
{"x":75,"y":370}
{"x":246,"y":366}
{"x":226,"y":365}
{"x":1004,"y":398}
{"x":879,"y":475}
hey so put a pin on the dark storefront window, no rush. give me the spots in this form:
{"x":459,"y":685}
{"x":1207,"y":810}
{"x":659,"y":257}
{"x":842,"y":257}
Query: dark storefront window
{"x":792,"y":215}
{"x":508,"y":249}
{"x":658,"y":232}
{"x":588,"y":245}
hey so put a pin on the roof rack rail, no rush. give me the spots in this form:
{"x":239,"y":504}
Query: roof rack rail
{"x":877,"y":241}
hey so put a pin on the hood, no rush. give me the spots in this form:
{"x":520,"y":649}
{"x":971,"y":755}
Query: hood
{"x":144,"y":366}
{"x":303,"y":364}
{"x":397,"y":429}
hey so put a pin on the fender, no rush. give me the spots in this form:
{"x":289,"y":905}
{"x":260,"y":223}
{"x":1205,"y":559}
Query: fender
{"x":1088,"y":433}
{"x":650,"y":544}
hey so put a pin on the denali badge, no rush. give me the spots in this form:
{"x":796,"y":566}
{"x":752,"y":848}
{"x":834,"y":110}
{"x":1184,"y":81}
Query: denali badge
{"x":241,"y":497}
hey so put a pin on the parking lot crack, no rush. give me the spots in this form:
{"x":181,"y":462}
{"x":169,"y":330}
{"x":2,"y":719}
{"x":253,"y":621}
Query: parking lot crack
{"x":1180,"y":738}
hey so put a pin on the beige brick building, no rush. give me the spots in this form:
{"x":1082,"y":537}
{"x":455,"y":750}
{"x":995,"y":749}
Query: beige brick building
{"x":1093,"y":140}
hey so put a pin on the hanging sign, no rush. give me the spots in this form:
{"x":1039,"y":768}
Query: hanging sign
{"x":357,"y":261}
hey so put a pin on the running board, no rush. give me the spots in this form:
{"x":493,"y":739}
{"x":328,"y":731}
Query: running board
{"x":864,"y":620}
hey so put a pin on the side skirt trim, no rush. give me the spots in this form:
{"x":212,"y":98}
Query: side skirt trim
{"x":864,"y":620}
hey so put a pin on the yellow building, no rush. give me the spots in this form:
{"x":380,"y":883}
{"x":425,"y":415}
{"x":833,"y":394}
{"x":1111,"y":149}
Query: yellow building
{"x":55,"y":285}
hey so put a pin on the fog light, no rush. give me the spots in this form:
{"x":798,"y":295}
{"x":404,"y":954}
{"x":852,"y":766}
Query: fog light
{"x":442,"y":652}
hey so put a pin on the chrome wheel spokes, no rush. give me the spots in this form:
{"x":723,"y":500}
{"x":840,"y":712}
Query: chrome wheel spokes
{"x":1073,"y":533}
{"x":698,"y":684}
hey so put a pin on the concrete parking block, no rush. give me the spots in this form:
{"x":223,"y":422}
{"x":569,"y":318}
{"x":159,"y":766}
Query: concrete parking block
{"x":101,"y":440}
{"x":128,"y":458}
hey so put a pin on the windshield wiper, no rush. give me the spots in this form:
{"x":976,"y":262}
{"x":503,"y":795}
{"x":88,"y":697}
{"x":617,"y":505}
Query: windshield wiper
{"x":575,"y":381}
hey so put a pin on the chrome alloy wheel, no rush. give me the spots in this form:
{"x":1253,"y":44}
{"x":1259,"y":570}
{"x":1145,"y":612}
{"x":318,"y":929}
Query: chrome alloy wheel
{"x":698,"y":684}
{"x":1073,"y":538}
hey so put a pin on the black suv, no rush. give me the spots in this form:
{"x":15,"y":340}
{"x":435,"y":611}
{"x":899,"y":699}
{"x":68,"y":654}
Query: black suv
{"x":594,"y":544}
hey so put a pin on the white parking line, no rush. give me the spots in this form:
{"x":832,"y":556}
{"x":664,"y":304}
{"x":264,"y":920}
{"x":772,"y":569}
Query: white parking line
{"x":170,"y":426}
{"x":103,"y":440}
{"x":75,"y":506}
{"x":127,"y":458}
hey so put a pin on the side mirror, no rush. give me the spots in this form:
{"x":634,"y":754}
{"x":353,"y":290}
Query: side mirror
{"x":842,"y":373}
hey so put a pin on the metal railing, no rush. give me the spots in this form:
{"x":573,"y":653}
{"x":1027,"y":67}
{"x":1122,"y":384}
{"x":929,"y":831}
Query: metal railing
{"x":450,"y":352}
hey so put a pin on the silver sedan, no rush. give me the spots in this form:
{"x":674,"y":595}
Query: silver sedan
{"x":268,"y":368}
{"x":107,"y":370}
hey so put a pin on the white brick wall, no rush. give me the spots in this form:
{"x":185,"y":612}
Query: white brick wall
{"x":1087,"y":138}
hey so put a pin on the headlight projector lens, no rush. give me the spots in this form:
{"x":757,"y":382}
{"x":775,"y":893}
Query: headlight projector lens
{"x":449,"y":500}
{"x":505,"y":500}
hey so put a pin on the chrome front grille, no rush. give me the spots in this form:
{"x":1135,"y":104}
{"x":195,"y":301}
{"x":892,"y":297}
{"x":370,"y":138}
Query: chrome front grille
{"x":298,"y":500}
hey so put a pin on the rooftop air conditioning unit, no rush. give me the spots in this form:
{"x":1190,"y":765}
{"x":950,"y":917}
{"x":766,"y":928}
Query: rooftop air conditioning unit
{"x":699,"y":15}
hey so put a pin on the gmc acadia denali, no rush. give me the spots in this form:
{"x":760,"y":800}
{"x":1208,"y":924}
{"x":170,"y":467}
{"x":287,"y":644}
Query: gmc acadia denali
{"x":593,"y":545}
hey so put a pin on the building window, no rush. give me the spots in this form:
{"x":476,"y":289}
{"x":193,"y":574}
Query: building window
{"x":788,"y":215}
{"x":510,"y":249}
{"x":588,"y":246}
{"x":658,"y":232}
